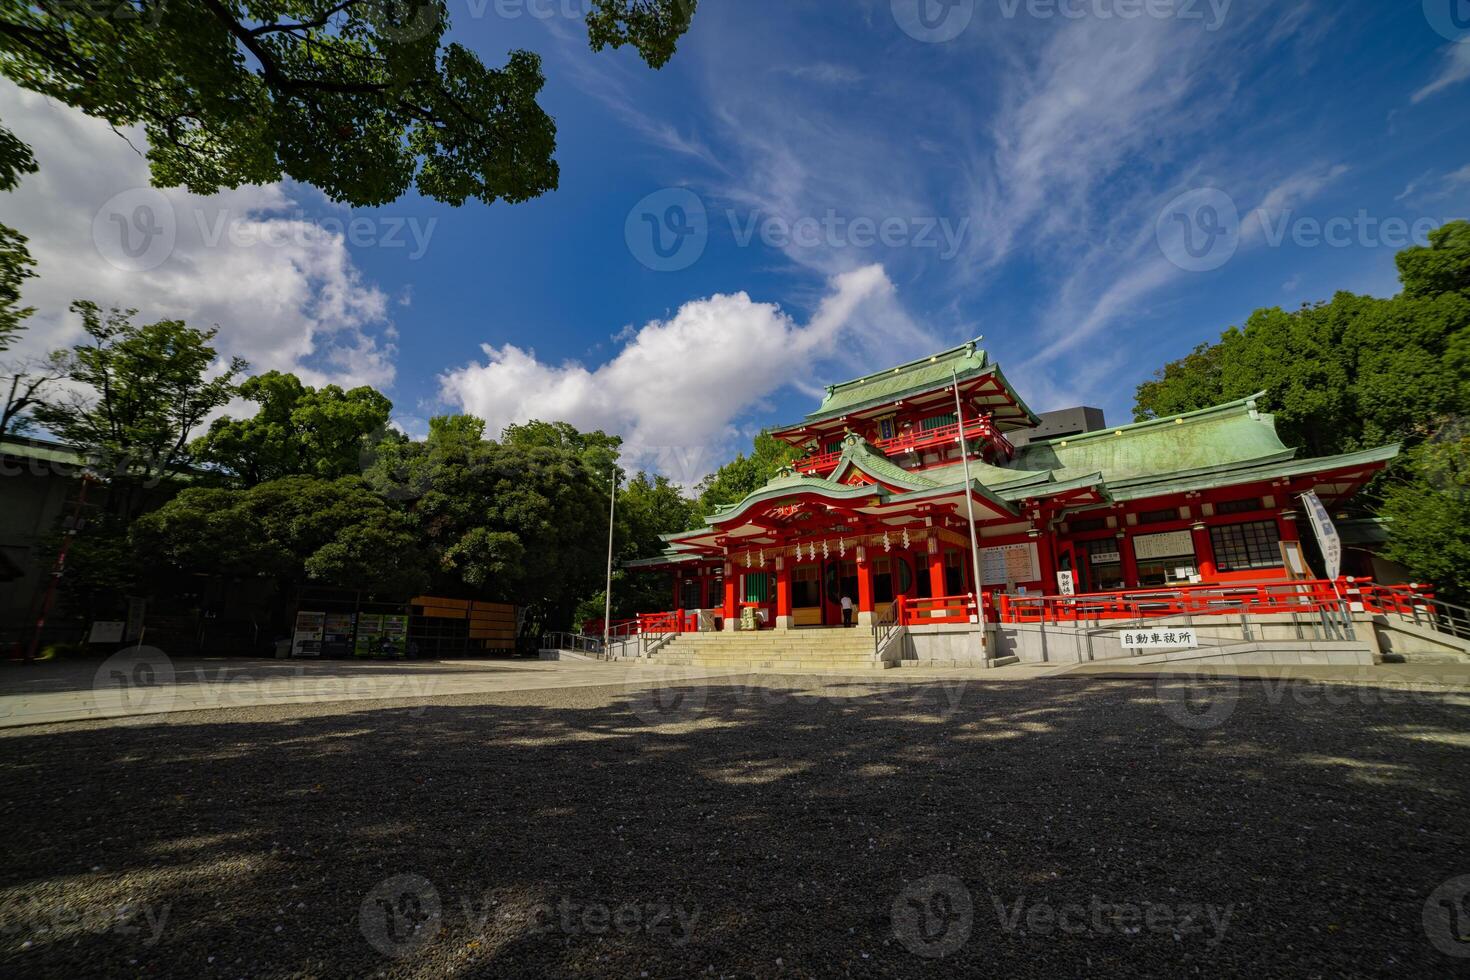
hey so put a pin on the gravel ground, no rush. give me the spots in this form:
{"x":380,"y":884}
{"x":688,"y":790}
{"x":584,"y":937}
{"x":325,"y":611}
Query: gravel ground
{"x":757,"y":827}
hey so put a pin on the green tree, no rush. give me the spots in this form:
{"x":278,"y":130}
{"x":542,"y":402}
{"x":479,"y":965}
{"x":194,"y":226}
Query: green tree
{"x":521,"y":521}
{"x":1347,"y":374}
{"x":296,"y":531}
{"x":1426,"y":504}
{"x":298,"y":429}
{"x":360,"y":98}
{"x":16,"y":266}
{"x":136,"y":395}
{"x":743,"y":475}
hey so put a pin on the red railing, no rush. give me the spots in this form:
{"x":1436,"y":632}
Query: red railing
{"x":676,"y":621}
{"x":917,"y":439}
{"x":929,"y":612}
{"x":1400,"y":599}
{"x":819,"y":465}
{"x":1308,"y":596}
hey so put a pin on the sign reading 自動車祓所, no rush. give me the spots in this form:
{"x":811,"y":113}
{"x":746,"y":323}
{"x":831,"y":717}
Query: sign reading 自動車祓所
{"x":1170,"y":638}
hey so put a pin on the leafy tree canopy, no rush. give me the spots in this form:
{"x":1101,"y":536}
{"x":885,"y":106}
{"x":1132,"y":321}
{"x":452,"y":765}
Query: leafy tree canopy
{"x":136,"y":395}
{"x":1347,"y":374}
{"x":16,"y":267}
{"x":743,"y":475}
{"x":297,"y":430}
{"x":360,"y":98}
{"x":522,"y":520}
{"x":296,"y":530}
{"x":1427,"y":507}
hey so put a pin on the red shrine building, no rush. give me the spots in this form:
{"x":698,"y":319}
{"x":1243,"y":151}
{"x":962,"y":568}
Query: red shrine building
{"x":878,"y":507}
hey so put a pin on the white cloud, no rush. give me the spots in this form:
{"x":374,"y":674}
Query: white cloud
{"x":678,"y":386}
{"x":1455,"y":69}
{"x":283,"y":289}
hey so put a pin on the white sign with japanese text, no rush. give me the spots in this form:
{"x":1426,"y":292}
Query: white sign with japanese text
{"x":1162,"y":638}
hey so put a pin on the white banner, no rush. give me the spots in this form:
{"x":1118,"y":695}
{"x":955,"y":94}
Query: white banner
{"x":1327,"y":537}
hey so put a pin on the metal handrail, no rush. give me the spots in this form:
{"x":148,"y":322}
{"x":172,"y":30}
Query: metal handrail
{"x":1423,"y":608}
{"x":887,"y":626}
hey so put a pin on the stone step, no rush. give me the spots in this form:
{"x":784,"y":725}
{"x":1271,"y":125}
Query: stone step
{"x":774,"y":664}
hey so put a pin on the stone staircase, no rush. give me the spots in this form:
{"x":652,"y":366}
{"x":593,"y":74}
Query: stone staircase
{"x":792,"y":651}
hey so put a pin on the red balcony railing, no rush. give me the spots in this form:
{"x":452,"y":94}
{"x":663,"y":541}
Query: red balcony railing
{"x":916,"y":440}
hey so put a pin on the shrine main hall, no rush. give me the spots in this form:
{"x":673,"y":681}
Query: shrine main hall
{"x":878,"y":507}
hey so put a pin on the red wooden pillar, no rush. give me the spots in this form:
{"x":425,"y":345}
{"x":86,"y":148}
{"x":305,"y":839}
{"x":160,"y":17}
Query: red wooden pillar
{"x":1047,"y":559}
{"x":1286,"y":525}
{"x":1204,"y":552}
{"x":783,"y":594}
{"x":1130,"y":561}
{"x":865,"y":586}
{"x":936,"y":569}
{"x":678,"y":592}
{"x":729,"y":612}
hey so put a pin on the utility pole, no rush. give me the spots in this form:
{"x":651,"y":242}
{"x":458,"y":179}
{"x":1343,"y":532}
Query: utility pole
{"x":612,"y":510}
{"x":959,"y":414}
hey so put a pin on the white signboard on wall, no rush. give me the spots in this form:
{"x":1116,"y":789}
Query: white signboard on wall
{"x":1160,"y":638}
{"x":1010,"y":563}
{"x":1170,"y":544}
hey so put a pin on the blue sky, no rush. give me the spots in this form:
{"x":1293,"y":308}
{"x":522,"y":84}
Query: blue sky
{"x":1031,"y":178}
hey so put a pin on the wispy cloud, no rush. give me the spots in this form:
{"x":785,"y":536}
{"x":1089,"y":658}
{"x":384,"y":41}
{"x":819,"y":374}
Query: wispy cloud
{"x":1454,"y":69}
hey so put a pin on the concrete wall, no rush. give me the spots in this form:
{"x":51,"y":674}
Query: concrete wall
{"x":1271,"y":640}
{"x":943,"y":645}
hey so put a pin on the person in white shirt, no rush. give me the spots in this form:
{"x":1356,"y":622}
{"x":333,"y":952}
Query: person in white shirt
{"x":847,"y":610}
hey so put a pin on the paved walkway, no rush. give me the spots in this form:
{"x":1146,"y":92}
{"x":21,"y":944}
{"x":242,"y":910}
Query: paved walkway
{"x":131,"y":684}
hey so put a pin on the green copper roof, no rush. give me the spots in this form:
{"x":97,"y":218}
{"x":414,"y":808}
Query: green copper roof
{"x":915,"y":376}
{"x":1223,"y":436}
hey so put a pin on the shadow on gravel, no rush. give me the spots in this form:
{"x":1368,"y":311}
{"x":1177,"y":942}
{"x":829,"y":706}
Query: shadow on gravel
{"x":81,"y":674}
{"x":782,"y":826}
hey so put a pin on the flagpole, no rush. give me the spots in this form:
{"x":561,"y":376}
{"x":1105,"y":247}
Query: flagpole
{"x":612,"y":510}
{"x":959,"y":414}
